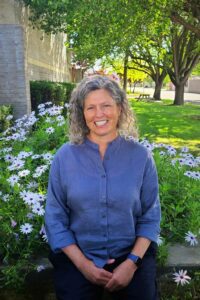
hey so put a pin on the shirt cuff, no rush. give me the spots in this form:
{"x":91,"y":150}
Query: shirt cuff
{"x":149,"y":233}
{"x":62,"y":242}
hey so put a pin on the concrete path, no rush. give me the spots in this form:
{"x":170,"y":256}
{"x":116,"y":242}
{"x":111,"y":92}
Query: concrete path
{"x":189,"y":97}
{"x":186,"y":256}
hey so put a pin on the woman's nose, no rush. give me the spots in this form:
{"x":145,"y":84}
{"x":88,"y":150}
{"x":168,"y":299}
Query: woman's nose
{"x":99,"y":111}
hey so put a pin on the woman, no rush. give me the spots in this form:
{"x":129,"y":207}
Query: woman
{"x":102,"y":212}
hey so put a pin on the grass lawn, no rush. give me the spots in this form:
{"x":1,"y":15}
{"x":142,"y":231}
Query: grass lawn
{"x":162,"y":122}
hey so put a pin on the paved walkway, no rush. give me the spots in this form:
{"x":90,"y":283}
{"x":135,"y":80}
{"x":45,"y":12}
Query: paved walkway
{"x":180,"y":255}
{"x":189,"y":97}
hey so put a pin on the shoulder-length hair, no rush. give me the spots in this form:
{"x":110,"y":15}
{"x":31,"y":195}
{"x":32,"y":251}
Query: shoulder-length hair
{"x":78,"y":129}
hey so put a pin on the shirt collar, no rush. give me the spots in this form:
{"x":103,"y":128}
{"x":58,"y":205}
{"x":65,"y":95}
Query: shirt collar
{"x":114,"y":143}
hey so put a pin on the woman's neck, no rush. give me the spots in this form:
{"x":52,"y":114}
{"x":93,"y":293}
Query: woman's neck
{"x":102,"y":142}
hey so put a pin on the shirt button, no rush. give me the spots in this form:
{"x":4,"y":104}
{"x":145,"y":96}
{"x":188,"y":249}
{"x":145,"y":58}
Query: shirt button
{"x":103,"y":216}
{"x":103,"y":176}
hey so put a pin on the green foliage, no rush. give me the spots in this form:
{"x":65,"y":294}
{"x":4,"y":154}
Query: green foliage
{"x":6,"y":112}
{"x":56,"y":92}
{"x":196,"y":71}
{"x":179,"y":199}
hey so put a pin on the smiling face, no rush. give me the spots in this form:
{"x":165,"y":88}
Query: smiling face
{"x":101,"y":115}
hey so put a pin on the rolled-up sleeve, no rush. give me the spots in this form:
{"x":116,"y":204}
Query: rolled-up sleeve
{"x":148,"y":224}
{"x":57,"y":212}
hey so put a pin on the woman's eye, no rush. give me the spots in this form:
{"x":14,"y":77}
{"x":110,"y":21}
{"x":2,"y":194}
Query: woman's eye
{"x":89,"y":108}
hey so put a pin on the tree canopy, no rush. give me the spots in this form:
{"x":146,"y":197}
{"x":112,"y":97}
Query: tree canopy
{"x":156,"y":35}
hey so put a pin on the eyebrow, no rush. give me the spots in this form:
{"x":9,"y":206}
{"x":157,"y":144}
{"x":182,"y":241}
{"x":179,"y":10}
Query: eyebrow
{"x":93,"y":104}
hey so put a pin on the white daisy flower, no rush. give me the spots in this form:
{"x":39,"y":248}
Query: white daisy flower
{"x":23,"y":173}
{"x":184,"y":149}
{"x":41,"y":106}
{"x":6,"y":197}
{"x":160,"y":240}
{"x":26,"y":228}
{"x":162,"y":153}
{"x":42,"y":113}
{"x":60,"y":118}
{"x":45,"y":238}
{"x":67,"y":105}
{"x":41,"y":197}
{"x":194,"y":175}
{"x":191,"y":238}
{"x":48,"y":103}
{"x":35,"y":156}
{"x":55,"y":110}
{"x":30,"y":216}
{"x":9,"y":117}
{"x":9,"y":158}
{"x":6,"y":150}
{"x":61,"y":124}
{"x":16,"y":165}
{"x":32,"y":184}
{"x":13,"y":223}
{"x":40,"y":170}
{"x":38,"y":209}
{"x":42,"y":230}
{"x":47,"y":156}
{"x":147,"y":145}
{"x":24,"y":154}
{"x":13,"y":180}
{"x":181,"y":277}
{"x":171,"y":151}
{"x":49,"y":120}
{"x":29,"y":197}
{"x":50,"y":130}
{"x":40,"y":268}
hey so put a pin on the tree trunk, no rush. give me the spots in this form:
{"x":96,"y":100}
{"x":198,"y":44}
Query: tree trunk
{"x":125,"y":72}
{"x":158,"y":79}
{"x":157,"y":91}
{"x":179,"y":94}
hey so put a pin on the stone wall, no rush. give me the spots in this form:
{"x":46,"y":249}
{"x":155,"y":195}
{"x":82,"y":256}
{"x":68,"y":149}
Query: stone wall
{"x":27,"y":54}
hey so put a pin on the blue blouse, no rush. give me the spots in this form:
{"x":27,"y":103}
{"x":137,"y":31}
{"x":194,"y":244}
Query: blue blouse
{"x":102,"y":206}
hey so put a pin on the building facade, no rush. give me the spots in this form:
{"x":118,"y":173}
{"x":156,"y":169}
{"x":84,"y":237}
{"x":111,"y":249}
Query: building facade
{"x":27,"y":54}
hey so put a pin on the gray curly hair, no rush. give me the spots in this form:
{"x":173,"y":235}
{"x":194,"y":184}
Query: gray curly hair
{"x":78,"y":129}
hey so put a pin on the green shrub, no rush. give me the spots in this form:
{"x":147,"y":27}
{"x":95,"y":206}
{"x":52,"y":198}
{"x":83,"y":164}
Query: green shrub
{"x":44,"y":91}
{"x":5,"y":112}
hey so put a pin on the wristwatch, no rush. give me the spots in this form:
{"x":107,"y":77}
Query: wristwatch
{"x":136,"y":259}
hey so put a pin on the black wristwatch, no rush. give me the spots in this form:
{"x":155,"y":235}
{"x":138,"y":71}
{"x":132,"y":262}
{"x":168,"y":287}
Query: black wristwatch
{"x":136,"y":259}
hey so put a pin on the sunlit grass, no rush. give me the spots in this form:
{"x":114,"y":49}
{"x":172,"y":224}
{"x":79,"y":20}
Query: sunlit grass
{"x":175,"y":125}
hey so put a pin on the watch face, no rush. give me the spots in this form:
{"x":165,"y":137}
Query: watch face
{"x":138,"y":262}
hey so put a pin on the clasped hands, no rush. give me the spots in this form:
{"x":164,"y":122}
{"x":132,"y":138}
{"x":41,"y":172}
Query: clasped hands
{"x":117,"y":280}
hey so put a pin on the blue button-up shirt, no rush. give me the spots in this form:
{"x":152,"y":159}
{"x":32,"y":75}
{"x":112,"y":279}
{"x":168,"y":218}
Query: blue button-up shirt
{"x":102,"y":205}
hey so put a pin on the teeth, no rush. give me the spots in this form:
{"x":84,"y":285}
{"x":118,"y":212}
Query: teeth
{"x":100,"y":123}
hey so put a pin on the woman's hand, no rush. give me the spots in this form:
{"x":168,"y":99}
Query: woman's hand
{"x":96,"y":275}
{"x":121,"y":276}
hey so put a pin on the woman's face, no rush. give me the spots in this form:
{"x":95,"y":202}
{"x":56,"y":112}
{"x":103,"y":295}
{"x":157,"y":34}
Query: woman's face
{"x":101,"y":115}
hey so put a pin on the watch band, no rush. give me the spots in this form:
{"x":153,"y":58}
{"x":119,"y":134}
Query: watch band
{"x":136,"y":259}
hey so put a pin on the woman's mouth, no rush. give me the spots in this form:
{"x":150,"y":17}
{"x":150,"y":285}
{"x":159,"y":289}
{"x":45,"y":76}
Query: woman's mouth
{"x":100,"y":123}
